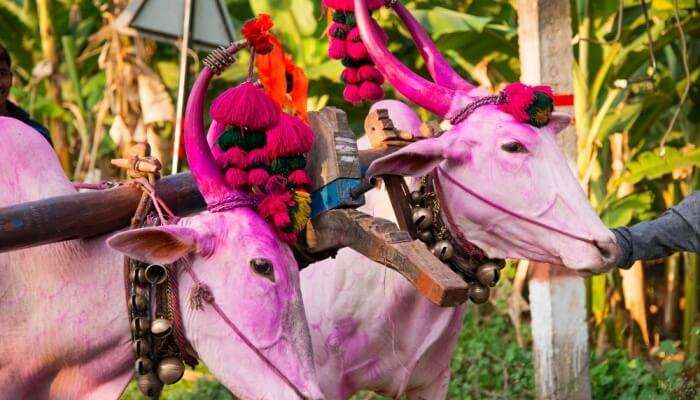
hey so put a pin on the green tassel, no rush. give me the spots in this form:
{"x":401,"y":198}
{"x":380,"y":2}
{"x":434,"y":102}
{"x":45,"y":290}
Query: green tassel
{"x":540,"y":111}
{"x":284,"y":165}
{"x":339,"y":16}
{"x":247,"y":140}
{"x":350,"y":20}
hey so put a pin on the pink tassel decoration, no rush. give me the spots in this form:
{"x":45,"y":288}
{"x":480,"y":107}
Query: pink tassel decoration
{"x":245,"y":105}
{"x":258,"y":157}
{"x":290,"y":137}
{"x":351,"y":94}
{"x":338,"y":31}
{"x":234,"y":156}
{"x":370,"y":73}
{"x":371,"y":91}
{"x":299,"y":177}
{"x":336,"y":49}
{"x":343,"y":5}
{"x":287,"y":237}
{"x":350,"y":75}
{"x":356,"y":50}
{"x":258,"y":177}
{"x":236,"y":178}
{"x":519,"y":97}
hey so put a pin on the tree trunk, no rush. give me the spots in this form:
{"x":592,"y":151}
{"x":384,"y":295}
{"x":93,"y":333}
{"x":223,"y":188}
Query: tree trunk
{"x":690,"y":313}
{"x":670,"y":306}
{"x":53,"y":82}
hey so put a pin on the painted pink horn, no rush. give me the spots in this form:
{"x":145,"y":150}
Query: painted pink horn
{"x":206,"y":173}
{"x":443,"y":74}
{"x":433,"y":97}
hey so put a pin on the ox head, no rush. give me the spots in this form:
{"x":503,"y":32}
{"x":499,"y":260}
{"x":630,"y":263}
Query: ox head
{"x":506,"y":183}
{"x":251,"y":274}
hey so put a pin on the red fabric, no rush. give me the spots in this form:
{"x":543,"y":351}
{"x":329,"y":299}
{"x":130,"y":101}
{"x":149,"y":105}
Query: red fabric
{"x":563,"y":100}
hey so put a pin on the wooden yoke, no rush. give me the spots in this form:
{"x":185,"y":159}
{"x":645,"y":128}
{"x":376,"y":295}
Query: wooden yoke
{"x":381,"y":240}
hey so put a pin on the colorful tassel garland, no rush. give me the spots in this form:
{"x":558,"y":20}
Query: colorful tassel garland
{"x":258,"y":177}
{"x":291,"y":136}
{"x":370,"y":73}
{"x":351,"y":94}
{"x":531,"y":104}
{"x":299,"y":177}
{"x":236,"y":178}
{"x":234,"y":156}
{"x":371,"y":91}
{"x":258,"y":158}
{"x":245,"y":105}
{"x":302,"y":211}
{"x":336,"y":49}
{"x":350,"y":75}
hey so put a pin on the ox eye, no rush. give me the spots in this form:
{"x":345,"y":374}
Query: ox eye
{"x":513,"y":147}
{"x":263,"y":267}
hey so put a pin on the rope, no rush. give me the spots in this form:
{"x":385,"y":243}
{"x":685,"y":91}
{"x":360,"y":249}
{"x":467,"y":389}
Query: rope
{"x":203,"y":293}
{"x":187,"y":352}
{"x":510,"y":212}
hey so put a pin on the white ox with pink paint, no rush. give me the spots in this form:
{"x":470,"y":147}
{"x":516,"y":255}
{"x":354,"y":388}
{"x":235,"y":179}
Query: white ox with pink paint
{"x":65,"y":327}
{"x":509,"y":190}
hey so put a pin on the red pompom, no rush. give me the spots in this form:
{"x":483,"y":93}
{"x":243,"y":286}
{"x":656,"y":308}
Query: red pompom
{"x":236,"y":178}
{"x":299,"y":177}
{"x":350,"y":75}
{"x":287,"y":237}
{"x":290,"y":137}
{"x":258,"y":177}
{"x":370,"y":73}
{"x":257,"y":33}
{"x":351,"y":94}
{"x":258,"y":157}
{"x":234,"y":156}
{"x":371,"y":91}
{"x":336,"y":49}
{"x":245,"y":105}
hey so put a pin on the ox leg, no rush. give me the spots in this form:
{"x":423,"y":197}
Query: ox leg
{"x":436,"y":390}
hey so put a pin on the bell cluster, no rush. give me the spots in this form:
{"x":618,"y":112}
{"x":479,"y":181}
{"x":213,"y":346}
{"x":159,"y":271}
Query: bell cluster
{"x":153,"y":369}
{"x":431,"y":230}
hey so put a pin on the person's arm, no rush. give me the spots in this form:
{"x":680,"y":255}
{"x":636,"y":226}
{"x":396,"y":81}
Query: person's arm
{"x":678,"y":229}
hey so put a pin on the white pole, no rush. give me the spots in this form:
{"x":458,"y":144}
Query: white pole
{"x":182,"y":84}
{"x":557,"y":296}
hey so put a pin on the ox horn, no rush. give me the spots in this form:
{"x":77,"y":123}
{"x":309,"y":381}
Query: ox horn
{"x":206,"y":173}
{"x":443,"y":74}
{"x":438,"y":99}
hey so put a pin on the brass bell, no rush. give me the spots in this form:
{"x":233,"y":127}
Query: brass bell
{"x":417,"y":197}
{"x":143,"y":365}
{"x":137,"y":302}
{"x":422,"y":218}
{"x":170,"y":370}
{"x":156,"y":274}
{"x":443,"y":250}
{"x":141,"y":347}
{"x":425,"y":236}
{"x":161,"y":327}
{"x":138,"y":276}
{"x":478,"y":293}
{"x":140,"y":326}
{"x":488,"y":274}
{"x":149,"y":384}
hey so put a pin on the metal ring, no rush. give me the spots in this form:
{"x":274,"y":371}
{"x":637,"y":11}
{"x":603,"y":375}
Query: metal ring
{"x":219,"y":59}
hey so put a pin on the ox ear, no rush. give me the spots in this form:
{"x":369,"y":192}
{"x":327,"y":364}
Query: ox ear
{"x":421,"y":157}
{"x":158,"y":245}
{"x":558,"y":122}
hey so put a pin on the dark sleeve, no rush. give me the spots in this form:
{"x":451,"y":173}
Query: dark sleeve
{"x":678,"y":229}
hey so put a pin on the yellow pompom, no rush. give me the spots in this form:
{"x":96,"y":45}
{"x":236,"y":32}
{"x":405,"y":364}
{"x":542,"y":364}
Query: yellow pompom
{"x":303,"y":210}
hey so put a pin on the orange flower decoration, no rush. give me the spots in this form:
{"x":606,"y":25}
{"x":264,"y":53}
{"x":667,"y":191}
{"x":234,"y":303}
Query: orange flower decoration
{"x":257,"y":33}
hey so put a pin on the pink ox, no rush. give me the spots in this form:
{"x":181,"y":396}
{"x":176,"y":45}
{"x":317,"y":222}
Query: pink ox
{"x":65,"y":330}
{"x":509,"y":190}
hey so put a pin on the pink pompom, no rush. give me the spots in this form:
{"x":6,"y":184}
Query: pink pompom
{"x":258,"y":177}
{"x":519,"y":97}
{"x":281,"y":220}
{"x":245,"y":105}
{"x":299,"y":177}
{"x":370,"y":73}
{"x":234,"y":156}
{"x":343,"y":5}
{"x":236,"y":178}
{"x":351,"y":94}
{"x":290,"y":137}
{"x":336,"y":49}
{"x":258,"y":157}
{"x":375,"y":4}
{"x":350,"y":75}
{"x":371,"y":91}
{"x":356,"y":51}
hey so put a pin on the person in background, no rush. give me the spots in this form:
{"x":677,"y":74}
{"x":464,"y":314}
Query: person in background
{"x":677,"y":229}
{"x":8,"y":108}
